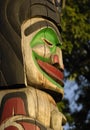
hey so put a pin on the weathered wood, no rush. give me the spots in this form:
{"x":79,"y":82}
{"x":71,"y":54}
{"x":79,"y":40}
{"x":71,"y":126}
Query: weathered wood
{"x":12,"y":15}
{"x":29,"y":104}
{"x":34,"y":76}
{"x":10,"y":66}
{"x":30,"y":54}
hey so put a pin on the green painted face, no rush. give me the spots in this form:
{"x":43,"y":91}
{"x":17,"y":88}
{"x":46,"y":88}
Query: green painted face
{"x":44,"y":44}
{"x":46,"y":36}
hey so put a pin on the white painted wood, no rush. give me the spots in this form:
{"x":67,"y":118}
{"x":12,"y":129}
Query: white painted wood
{"x":41,"y":107}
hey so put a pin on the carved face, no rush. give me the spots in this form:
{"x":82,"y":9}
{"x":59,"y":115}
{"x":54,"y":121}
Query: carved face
{"x":41,"y":47}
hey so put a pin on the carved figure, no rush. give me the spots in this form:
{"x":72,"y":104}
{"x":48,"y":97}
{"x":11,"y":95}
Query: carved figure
{"x":32,"y":105}
{"x":41,"y":49}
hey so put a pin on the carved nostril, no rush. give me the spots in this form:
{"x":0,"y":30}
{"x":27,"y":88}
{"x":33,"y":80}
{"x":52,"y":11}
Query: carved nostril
{"x":56,"y":65}
{"x":62,"y":70}
{"x":57,"y":62}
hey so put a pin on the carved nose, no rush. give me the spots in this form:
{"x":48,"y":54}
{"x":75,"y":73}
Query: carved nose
{"x":56,"y":60}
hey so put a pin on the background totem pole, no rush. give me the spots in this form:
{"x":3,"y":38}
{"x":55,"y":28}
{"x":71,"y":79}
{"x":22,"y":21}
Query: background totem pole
{"x":31,"y":66}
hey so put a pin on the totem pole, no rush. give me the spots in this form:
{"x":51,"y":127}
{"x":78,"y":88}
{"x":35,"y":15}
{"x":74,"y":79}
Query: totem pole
{"x":30,"y":89}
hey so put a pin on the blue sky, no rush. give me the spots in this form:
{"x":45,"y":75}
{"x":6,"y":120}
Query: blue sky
{"x":70,"y":90}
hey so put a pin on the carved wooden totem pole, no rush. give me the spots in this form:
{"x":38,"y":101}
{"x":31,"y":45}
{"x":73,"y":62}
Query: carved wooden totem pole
{"x":29,"y":90}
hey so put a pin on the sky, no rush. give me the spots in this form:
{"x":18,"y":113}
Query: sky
{"x":70,"y":89}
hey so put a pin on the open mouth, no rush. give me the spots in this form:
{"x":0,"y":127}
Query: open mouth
{"x":52,"y":71}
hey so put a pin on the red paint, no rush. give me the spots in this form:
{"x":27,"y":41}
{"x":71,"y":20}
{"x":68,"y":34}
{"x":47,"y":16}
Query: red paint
{"x":11,"y":128}
{"x":55,"y":59}
{"x":25,"y":125}
{"x":51,"y":70}
{"x":13,"y":106}
{"x":29,"y":126}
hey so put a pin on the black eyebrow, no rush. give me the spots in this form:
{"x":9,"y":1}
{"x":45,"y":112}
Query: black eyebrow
{"x":32,"y":28}
{"x":35,"y":27}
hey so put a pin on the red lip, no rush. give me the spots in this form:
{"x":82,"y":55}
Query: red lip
{"x":51,"y":70}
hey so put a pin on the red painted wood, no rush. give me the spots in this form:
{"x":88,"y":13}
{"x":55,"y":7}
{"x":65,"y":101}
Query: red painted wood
{"x":13,"y":106}
{"x":29,"y":126}
{"x":53,"y":71}
{"x":25,"y":125}
{"x":11,"y":128}
{"x":55,"y":59}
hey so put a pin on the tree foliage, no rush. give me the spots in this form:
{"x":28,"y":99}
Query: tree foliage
{"x":76,"y":37}
{"x":76,"y":54}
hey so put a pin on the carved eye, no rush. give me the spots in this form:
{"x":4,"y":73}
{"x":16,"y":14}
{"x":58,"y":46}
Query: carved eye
{"x":47,"y":42}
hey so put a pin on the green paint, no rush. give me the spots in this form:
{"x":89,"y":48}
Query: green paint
{"x":48,"y":77}
{"x":48,"y":34}
{"x":40,"y":57}
{"x":45,"y":36}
